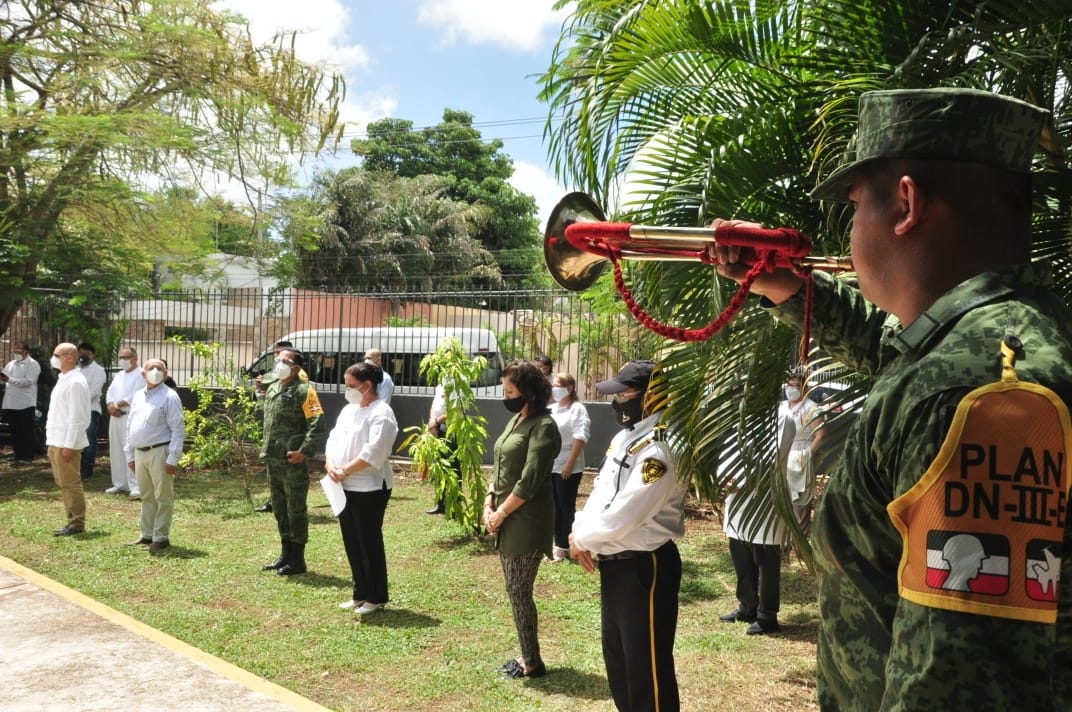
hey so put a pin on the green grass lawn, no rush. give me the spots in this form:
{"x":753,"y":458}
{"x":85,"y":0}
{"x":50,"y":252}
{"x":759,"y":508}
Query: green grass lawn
{"x":440,"y":641}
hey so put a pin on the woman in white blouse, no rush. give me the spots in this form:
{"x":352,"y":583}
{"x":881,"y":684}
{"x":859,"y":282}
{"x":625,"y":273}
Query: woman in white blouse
{"x":575,"y":427}
{"x":358,"y":455}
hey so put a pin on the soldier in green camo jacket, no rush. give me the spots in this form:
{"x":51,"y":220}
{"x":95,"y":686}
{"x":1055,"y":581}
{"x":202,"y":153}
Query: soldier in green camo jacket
{"x":293,"y":424}
{"x":942,"y":540}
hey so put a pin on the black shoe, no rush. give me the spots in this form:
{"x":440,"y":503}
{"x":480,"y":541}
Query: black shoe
{"x":266,"y":507}
{"x":513,"y":670}
{"x":67,"y":531}
{"x":737,"y":616}
{"x":141,"y":541}
{"x":295,"y":563}
{"x":277,"y":564}
{"x":438,"y":509}
{"x":761,"y":627}
{"x":158,"y":546}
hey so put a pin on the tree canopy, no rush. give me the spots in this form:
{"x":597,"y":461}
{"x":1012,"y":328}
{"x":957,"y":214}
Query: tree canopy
{"x":103,"y":103}
{"x":377,"y":231}
{"x":472,"y":171}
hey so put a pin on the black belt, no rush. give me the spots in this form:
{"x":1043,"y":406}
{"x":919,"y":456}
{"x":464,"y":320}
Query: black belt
{"x":632,"y":554}
{"x":152,"y":447}
{"x":623,"y":555}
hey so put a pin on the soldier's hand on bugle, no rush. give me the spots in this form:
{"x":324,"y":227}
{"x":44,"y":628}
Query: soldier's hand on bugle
{"x":777,"y":286}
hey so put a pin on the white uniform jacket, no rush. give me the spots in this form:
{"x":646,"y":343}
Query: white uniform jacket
{"x":636,"y":504}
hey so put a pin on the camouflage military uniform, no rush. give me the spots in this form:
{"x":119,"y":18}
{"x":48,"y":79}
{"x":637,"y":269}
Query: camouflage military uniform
{"x":293,"y":420}
{"x":877,"y":648}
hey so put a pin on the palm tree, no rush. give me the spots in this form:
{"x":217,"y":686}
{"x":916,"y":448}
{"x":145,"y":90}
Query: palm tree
{"x":680,"y":111}
{"x":383,"y":231}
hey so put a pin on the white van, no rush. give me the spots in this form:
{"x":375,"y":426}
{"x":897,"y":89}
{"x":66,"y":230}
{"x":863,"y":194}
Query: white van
{"x":329,"y":352}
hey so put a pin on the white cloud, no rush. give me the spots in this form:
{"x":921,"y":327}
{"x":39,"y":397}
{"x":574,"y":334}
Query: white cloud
{"x":513,"y":24}
{"x":320,"y":26}
{"x":533,"y":180}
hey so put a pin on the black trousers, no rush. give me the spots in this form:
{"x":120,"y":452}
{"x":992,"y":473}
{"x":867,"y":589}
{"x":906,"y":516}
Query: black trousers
{"x":565,"y":492}
{"x":640,"y":600}
{"x":759,"y":576}
{"x":89,"y":455}
{"x":361,"y":523}
{"x":21,"y":422}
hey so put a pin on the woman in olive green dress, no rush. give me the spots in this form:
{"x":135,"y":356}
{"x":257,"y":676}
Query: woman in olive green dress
{"x":519,"y":508}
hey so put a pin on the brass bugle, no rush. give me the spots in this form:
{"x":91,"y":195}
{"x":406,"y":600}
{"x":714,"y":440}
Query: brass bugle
{"x":576,"y":257}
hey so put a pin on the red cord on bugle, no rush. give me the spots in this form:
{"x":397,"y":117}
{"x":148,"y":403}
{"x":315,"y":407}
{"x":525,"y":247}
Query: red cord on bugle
{"x":627,"y":240}
{"x":578,"y":242}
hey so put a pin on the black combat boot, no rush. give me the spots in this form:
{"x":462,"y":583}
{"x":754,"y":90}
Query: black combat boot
{"x":284,"y":557}
{"x":296,"y":563}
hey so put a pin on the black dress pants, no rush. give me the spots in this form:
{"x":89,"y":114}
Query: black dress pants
{"x":759,"y":574}
{"x":639,"y":594}
{"x":361,"y":523}
{"x":21,"y":422}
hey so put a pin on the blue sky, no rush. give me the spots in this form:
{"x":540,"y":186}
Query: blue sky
{"x":410,"y":59}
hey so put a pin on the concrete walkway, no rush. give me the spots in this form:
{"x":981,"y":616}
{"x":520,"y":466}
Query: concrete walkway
{"x":60,"y":650}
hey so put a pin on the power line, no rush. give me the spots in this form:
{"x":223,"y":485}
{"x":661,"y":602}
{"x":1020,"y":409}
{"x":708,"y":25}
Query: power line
{"x":475,"y":125}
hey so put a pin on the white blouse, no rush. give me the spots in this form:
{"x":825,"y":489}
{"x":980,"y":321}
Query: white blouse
{"x":366,"y":432}
{"x":573,"y":424}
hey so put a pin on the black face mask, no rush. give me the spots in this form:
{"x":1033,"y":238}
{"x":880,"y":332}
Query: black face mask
{"x":628,"y":413}
{"x":83,"y":360}
{"x":514,"y":405}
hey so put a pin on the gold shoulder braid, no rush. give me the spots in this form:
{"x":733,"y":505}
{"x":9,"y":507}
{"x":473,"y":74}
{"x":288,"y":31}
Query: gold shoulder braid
{"x":658,"y":435}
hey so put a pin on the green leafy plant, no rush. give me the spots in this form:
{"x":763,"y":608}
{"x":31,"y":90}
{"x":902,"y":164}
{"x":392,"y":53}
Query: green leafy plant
{"x":462,"y":446}
{"x":224,"y":425}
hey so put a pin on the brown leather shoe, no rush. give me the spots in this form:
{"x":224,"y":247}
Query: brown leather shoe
{"x":142,"y":541}
{"x":159,"y":545}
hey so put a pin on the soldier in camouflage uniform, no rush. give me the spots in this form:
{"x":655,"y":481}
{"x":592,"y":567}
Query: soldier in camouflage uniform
{"x":943,"y":534}
{"x":260,"y":388}
{"x":293,"y":424}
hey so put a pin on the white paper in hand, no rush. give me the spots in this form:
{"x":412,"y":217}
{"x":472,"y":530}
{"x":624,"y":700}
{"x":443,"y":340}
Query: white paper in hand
{"x":335,"y":493}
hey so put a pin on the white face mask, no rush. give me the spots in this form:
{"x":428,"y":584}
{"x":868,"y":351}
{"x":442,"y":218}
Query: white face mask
{"x":792,"y":393}
{"x":124,"y":363}
{"x":155,"y":376}
{"x":559,"y":392}
{"x":281,"y":370}
{"x":55,"y":363}
{"x":19,"y":357}
{"x":353,"y":395}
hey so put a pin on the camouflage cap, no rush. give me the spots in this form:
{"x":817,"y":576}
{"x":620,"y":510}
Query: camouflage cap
{"x":940,"y":124}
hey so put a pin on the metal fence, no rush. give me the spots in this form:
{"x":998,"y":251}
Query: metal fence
{"x":244,"y":322}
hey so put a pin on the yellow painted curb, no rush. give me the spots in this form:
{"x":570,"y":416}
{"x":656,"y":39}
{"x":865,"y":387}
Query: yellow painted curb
{"x":224,"y":668}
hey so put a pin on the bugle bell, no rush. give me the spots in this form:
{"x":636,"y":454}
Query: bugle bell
{"x":578,"y":242}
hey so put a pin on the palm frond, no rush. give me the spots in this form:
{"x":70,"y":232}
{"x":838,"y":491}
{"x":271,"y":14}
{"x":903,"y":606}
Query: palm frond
{"x":684,"y":111}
